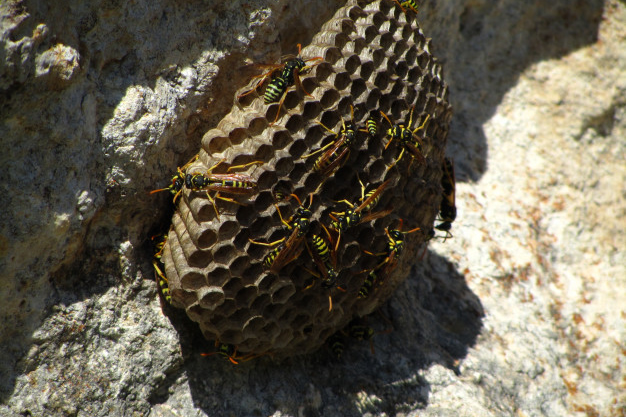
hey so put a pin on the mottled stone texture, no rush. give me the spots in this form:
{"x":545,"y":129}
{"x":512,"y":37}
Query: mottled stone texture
{"x":520,"y":314}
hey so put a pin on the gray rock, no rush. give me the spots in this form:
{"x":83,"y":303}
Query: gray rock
{"x":520,"y":314}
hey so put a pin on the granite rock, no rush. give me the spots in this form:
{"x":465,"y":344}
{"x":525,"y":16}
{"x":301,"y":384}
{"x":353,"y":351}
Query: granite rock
{"x":520,"y":314}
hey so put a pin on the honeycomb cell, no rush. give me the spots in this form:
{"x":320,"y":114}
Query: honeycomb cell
{"x":259,"y":303}
{"x":223,"y":252}
{"x":193,"y":280}
{"x":252,"y":326}
{"x":367,"y":69}
{"x":374,"y":58}
{"x":283,"y":339}
{"x":263,"y":202}
{"x":284,"y":165}
{"x":381,"y":80}
{"x":218,"y":276}
{"x":239,"y":264}
{"x":228,"y":229}
{"x":297,"y":148}
{"x":246,"y":296}
{"x":281,"y":139}
{"x":211,"y":297}
{"x":358,"y":88}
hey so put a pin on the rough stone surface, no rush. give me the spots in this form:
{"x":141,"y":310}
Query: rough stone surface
{"x":520,"y":314}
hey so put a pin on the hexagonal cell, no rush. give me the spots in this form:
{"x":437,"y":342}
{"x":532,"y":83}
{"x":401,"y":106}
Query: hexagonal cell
{"x":280,"y":139}
{"x":223,"y":252}
{"x":246,"y":296}
{"x":282,"y":292}
{"x":232,"y":287}
{"x":217,"y":276}
{"x":252,"y":326}
{"x":260,"y":303}
{"x":211,"y":298}
{"x":192,"y":280}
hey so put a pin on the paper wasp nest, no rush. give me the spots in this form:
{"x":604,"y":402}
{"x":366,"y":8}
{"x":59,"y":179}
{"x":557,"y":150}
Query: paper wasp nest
{"x":375,"y":58}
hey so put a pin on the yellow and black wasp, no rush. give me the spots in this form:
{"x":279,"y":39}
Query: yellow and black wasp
{"x":359,"y":331}
{"x":289,"y":75}
{"x":178,"y":180}
{"x":405,"y":135}
{"x":371,"y":126}
{"x":447,"y":209}
{"x":231,"y":183}
{"x":230,"y":352}
{"x":336,"y":343}
{"x":368,"y":284}
{"x":159,"y":243}
{"x":355,"y":214}
{"x":407,"y":4}
{"x":325,"y":260}
{"x":337,"y":151}
{"x":289,"y":247}
{"x":395,"y":246}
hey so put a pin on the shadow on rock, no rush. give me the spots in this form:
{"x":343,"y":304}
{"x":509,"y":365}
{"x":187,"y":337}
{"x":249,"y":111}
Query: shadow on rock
{"x":485,"y":47}
{"x":435,"y":319}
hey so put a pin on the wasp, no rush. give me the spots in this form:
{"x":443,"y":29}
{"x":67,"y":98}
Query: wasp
{"x":371,"y":126}
{"x":395,"y":247}
{"x":230,"y":352}
{"x":178,"y":180}
{"x":337,"y":151}
{"x":359,"y":331}
{"x":407,"y":4}
{"x":325,"y":260}
{"x":368,"y":284}
{"x":159,"y":243}
{"x":354,"y":214}
{"x":289,"y":247}
{"x":447,"y":209}
{"x":289,"y":75}
{"x":404,"y":135}
{"x":232,"y":183}
{"x":336,"y":344}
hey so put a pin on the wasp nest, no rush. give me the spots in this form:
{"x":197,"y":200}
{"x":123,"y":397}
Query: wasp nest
{"x":375,"y":58}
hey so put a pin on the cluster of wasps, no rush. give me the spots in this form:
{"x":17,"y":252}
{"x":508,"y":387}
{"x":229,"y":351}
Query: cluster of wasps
{"x":322,"y":248}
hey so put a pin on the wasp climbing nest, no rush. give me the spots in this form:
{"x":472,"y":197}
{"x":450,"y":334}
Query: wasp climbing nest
{"x":375,"y":60}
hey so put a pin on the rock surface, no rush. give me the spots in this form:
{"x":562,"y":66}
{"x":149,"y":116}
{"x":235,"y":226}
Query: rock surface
{"x":520,"y":314}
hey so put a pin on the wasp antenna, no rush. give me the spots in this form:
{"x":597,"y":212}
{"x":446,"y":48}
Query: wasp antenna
{"x":413,"y":230}
{"x":386,"y":118}
{"x":297,"y":199}
{"x":159,"y":190}
{"x":423,"y":124}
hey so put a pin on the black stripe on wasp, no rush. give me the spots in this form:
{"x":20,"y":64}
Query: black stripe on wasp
{"x":325,"y":259}
{"x":178,"y":180}
{"x":407,"y":5}
{"x":403,"y":134}
{"x":356,"y":329}
{"x":161,"y":279}
{"x":355,"y":214}
{"x":447,"y":209}
{"x":289,"y":70}
{"x":230,"y":183}
{"x":395,"y":246}
{"x":336,"y":152}
{"x":289,"y":247}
